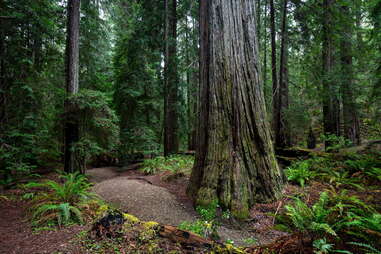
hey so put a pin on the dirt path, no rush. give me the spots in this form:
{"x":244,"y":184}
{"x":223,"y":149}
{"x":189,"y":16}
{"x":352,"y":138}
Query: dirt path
{"x":144,"y":200}
{"x":150,"y":198}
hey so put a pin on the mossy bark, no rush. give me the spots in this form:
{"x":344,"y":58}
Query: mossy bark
{"x":235,"y":162}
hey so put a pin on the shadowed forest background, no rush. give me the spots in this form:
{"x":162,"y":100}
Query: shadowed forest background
{"x":262,"y":117}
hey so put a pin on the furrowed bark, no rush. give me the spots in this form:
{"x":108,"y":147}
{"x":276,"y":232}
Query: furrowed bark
{"x":72,"y":160}
{"x":235,"y":162}
{"x":171,"y":142}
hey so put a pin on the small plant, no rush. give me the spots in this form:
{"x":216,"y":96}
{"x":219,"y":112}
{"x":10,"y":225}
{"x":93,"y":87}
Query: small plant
{"x":200,"y":227}
{"x":321,"y":246}
{"x":64,"y":213}
{"x":250,"y":241}
{"x":209,"y":212}
{"x":312,"y":220}
{"x":59,"y":203}
{"x":300,"y":173}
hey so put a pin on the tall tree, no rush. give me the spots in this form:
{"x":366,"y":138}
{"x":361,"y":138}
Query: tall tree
{"x":275,"y":95}
{"x":171,"y":139}
{"x":282,"y":138}
{"x":235,"y":162}
{"x":72,"y":161}
{"x":331,"y":105}
{"x":350,"y":115}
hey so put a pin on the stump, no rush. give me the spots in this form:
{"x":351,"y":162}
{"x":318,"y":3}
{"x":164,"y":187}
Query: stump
{"x":109,"y":226}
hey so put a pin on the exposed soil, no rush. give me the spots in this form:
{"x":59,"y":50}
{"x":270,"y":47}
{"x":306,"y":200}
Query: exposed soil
{"x":149,"y":197}
{"x":17,"y":236}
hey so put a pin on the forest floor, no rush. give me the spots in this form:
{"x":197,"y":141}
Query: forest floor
{"x":148,"y":197}
{"x":151,"y":198}
{"x":161,"y":197}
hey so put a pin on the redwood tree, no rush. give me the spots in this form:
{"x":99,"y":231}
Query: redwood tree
{"x":350,"y":115}
{"x":235,"y":162}
{"x":282,"y":137}
{"x":331,"y":104}
{"x":171,"y":139}
{"x":72,"y":162}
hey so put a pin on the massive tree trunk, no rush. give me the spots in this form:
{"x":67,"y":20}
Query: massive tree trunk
{"x":331,"y":106}
{"x":235,"y":162}
{"x":171,"y":139}
{"x":275,"y":95}
{"x":350,"y":116}
{"x":282,"y":138}
{"x":72,"y":161}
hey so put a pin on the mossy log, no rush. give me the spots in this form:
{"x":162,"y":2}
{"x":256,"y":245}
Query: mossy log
{"x":184,"y":237}
{"x":114,"y":224}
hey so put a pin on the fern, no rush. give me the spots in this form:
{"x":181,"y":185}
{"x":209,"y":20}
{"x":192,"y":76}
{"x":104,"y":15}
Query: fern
{"x":366,"y":227}
{"x":300,"y":173}
{"x":322,"y":247}
{"x":314,"y":219}
{"x":60,"y":202}
{"x":367,"y":248}
{"x":63,"y":213}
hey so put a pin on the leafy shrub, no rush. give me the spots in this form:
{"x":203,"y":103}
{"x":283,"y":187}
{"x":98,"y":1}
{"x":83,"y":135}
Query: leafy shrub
{"x":336,"y":142}
{"x":174,"y":164}
{"x":300,"y":173}
{"x":59,"y":202}
{"x":98,"y":123}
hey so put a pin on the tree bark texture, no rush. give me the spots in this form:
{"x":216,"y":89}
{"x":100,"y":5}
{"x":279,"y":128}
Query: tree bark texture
{"x":331,"y":105}
{"x":72,"y":161}
{"x":282,"y":134}
{"x":235,"y":162}
{"x":275,"y":95}
{"x":171,"y":139}
{"x":350,"y":115}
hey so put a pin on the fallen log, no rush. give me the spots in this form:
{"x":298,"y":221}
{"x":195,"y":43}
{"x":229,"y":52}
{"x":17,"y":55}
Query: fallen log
{"x":184,"y":237}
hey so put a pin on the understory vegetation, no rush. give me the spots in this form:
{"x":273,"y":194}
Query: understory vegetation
{"x":61,"y":202}
{"x":345,"y":217}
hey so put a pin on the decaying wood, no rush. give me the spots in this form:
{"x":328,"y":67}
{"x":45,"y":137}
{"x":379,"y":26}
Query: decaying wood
{"x":184,"y":237}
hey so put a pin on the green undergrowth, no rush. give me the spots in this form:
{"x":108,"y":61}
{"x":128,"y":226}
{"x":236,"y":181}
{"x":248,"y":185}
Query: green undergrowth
{"x":211,"y":218}
{"x":345,"y":218}
{"x":136,"y":236}
{"x":174,"y":164}
{"x":65,"y":201}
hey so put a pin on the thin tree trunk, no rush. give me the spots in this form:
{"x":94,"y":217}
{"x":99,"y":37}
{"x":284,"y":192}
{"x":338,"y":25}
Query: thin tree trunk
{"x":331,"y":109}
{"x":171,"y":139}
{"x":265,"y":48}
{"x":235,"y":162}
{"x":2,"y":80}
{"x":350,"y":115}
{"x":282,"y":138}
{"x":72,"y":161}
{"x":275,"y":95}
